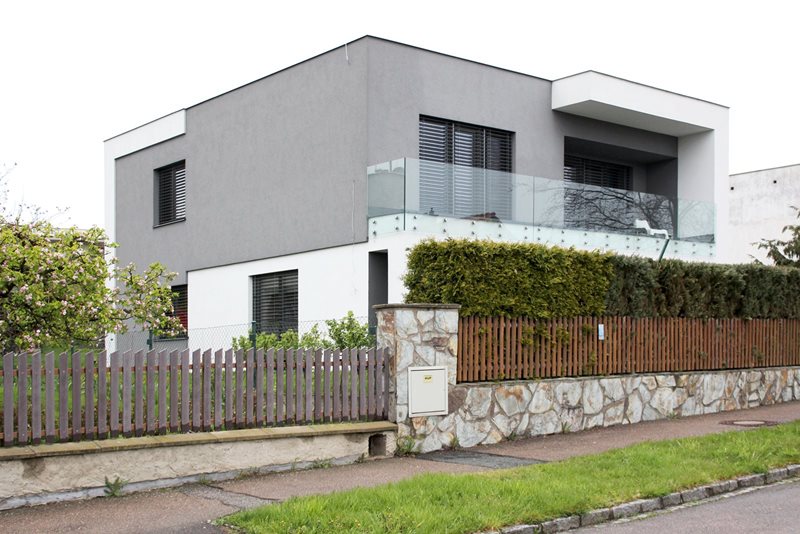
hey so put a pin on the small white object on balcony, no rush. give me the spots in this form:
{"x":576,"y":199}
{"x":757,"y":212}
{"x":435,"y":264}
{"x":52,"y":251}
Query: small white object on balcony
{"x":644,"y":225}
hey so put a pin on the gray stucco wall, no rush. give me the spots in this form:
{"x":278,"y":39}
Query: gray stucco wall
{"x":279,"y":166}
{"x":272,"y":168}
{"x":406,"y":82}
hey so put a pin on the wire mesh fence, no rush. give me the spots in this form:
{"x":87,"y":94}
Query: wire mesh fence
{"x":310,"y":334}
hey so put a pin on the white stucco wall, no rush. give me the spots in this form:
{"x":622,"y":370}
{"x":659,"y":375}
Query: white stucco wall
{"x":760,"y":206}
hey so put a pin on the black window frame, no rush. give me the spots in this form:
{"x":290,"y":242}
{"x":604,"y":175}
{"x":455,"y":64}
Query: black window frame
{"x":466,"y":189}
{"x":180,"y":309}
{"x":169,"y":194}
{"x":275,"y":301}
{"x":594,"y":172}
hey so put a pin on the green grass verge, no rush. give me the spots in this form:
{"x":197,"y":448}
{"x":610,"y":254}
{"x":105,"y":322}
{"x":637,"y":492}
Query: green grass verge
{"x":473,"y":502}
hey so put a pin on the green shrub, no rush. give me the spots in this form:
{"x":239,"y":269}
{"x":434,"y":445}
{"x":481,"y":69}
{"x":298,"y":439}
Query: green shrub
{"x":344,"y":333}
{"x":348,"y":333}
{"x":511,"y":279}
{"x":490,"y":278}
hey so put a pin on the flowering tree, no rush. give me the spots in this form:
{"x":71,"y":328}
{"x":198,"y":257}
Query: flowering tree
{"x":53,"y":286}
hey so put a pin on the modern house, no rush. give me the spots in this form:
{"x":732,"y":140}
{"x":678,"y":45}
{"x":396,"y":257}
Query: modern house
{"x":761,"y":203}
{"x":295,"y":198}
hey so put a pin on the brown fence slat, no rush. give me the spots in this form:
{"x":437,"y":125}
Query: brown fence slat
{"x":22,"y":398}
{"x":299,"y":380}
{"x":102,"y":395}
{"x":336,"y":364}
{"x":90,"y":403}
{"x":36,"y":398}
{"x":289,"y":370}
{"x":197,"y":391}
{"x":354,"y":384}
{"x":249,"y":386}
{"x":327,"y":357}
{"x":113,"y":401}
{"x":127,"y":366}
{"x":280,"y":386}
{"x":8,"y":399}
{"x":309,"y":376}
{"x":270,"y":408}
{"x":151,"y":391}
{"x":319,"y":372}
{"x":49,"y":398}
{"x":63,"y":396}
{"x":371,"y":383}
{"x":362,"y":381}
{"x":229,"y":403}
{"x":77,"y":374}
{"x":174,"y":391}
{"x":219,"y":366}
{"x":138,"y":383}
{"x":163,"y":362}
{"x":259,"y":387}
{"x":207,"y":390}
{"x":186,"y":423}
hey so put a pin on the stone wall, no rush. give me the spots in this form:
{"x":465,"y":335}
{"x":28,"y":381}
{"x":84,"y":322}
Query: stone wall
{"x":490,"y":412}
{"x":416,"y":335}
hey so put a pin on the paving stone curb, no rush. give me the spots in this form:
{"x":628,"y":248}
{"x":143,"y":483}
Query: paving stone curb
{"x":639,"y":506}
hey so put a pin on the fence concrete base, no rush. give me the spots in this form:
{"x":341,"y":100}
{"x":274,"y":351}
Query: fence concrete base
{"x":66,"y":471}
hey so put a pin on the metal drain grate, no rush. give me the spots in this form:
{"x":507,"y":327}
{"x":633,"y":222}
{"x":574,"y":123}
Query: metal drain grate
{"x":749,"y":423}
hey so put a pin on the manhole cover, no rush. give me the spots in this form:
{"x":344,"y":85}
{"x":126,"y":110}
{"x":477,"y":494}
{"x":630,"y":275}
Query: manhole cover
{"x":480,"y":459}
{"x":749,"y":423}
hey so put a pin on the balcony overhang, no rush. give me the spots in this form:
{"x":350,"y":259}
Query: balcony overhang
{"x":610,"y":99}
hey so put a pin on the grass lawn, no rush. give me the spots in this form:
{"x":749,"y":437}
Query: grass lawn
{"x":473,"y":502}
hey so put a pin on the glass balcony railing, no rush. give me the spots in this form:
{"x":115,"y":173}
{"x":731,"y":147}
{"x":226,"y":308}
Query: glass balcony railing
{"x":407,"y":186}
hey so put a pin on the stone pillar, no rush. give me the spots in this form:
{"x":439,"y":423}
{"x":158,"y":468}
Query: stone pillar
{"x":415,"y":335}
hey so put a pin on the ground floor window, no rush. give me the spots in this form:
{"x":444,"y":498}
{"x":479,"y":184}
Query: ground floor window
{"x":275,"y":301}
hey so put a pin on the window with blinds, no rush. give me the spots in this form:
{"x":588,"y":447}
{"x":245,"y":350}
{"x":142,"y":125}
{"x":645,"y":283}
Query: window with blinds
{"x":464,"y":169}
{"x":180,"y":304}
{"x":275,"y":302}
{"x":600,"y":173}
{"x":171,"y":193}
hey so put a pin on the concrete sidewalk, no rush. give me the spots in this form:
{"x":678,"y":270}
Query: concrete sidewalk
{"x":190,"y":508}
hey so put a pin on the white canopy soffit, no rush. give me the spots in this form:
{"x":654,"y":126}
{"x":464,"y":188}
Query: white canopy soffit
{"x":610,"y":99}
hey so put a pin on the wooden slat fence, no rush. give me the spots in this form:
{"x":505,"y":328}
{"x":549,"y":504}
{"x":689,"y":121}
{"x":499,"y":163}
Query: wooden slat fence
{"x":87,"y":395}
{"x":502,"y":348}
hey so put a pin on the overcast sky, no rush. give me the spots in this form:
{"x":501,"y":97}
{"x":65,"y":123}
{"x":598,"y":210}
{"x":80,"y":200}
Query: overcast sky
{"x":75,"y":73}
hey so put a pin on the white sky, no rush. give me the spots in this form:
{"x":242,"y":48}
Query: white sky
{"x":75,"y":73}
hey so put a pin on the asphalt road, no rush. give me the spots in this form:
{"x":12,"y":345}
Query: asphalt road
{"x":772,"y":509}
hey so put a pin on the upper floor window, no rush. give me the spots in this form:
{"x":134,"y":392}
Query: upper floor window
{"x":593,"y":172}
{"x":275,"y":302}
{"x":170,"y":193}
{"x":457,"y":161}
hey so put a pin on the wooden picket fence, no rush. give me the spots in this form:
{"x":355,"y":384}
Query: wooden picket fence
{"x":72,"y":397}
{"x":501,"y":348}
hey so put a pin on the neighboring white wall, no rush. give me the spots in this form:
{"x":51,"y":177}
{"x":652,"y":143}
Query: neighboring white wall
{"x":760,"y":206}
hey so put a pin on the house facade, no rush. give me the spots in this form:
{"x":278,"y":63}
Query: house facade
{"x":295,"y":198}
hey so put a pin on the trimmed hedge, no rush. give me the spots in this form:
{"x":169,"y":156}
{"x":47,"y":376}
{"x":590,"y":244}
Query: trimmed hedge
{"x":520,"y":279}
{"x":511,"y":279}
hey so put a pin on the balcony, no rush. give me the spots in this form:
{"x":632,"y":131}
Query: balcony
{"x":424,"y":196}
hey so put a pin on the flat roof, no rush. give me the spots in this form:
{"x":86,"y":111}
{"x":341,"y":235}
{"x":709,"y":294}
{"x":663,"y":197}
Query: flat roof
{"x":367,"y":36}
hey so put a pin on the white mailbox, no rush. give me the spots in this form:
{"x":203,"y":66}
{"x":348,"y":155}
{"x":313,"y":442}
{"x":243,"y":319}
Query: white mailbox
{"x":427,"y":391}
